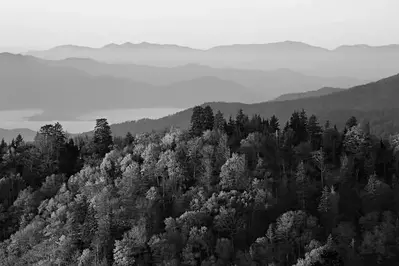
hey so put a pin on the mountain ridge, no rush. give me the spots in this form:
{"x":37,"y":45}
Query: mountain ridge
{"x":287,"y":42}
{"x":363,"y":101}
{"x":315,"y":93}
{"x":33,"y":83}
{"x":9,"y":134}
{"x":356,"y":61}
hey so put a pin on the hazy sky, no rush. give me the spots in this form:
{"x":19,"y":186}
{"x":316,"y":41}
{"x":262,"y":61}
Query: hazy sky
{"x":200,"y":24}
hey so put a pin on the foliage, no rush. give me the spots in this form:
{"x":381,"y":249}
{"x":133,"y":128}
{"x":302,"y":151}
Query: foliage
{"x":236,"y":192}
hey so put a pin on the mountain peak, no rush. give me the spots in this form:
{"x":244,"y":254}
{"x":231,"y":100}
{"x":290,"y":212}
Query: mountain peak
{"x":274,"y":45}
{"x":71,"y":46}
{"x":365,"y":46}
{"x":10,"y":55}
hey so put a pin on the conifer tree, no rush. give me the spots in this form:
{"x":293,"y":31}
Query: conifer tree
{"x":302,"y":183}
{"x":208,"y":118}
{"x":102,"y":137}
{"x":129,"y":139}
{"x":314,"y":131}
{"x":219,"y":122}
{"x":197,"y":121}
{"x":274,"y":124}
{"x":327,"y":124}
{"x":18,"y":141}
{"x":351,"y":122}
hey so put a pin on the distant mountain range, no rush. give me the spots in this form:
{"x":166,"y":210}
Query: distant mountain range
{"x":270,"y":84}
{"x":69,"y":81}
{"x":376,"y":101}
{"x":67,"y":89}
{"x":9,"y":134}
{"x":360,"y":61}
{"x":295,"y":96}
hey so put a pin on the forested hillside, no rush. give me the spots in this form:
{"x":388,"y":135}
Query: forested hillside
{"x":242,"y":191}
{"x":376,"y":102}
{"x":300,"y":95}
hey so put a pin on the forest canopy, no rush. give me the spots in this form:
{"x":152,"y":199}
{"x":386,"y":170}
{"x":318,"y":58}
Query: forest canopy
{"x":241,"y":191}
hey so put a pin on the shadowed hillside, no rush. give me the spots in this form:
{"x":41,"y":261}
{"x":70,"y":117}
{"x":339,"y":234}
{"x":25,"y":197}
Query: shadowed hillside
{"x":270,"y":84}
{"x":377,"y":101}
{"x":307,"y":94}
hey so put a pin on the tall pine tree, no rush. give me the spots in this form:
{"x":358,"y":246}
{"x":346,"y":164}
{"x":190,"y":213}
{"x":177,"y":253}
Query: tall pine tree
{"x":197,"y":121}
{"x":208,"y":118}
{"x":102,"y":137}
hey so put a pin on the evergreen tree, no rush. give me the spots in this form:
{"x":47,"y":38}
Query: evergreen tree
{"x":197,"y":121}
{"x":241,"y":121}
{"x":208,"y":118}
{"x":302,"y":183}
{"x":129,"y":139}
{"x":19,"y":141}
{"x":102,"y":137}
{"x":351,"y":122}
{"x":327,"y":124}
{"x":298,"y":122}
{"x":314,"y":131}
{"x":230,"y":126}
{"x":219,"y":121}
{"x":3,"y":147}
{"x":274,"y":124}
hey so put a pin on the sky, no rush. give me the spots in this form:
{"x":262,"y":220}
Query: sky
{"x":42,"y":24}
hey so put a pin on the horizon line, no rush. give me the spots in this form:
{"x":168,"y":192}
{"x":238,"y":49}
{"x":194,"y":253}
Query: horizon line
{"x":207,"y":49}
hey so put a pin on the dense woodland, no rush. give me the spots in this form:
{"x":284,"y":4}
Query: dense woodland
{"x":242,"y":191}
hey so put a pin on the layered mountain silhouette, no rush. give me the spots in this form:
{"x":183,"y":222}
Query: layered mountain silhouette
{"x":67,"y":89}
{"x":65,"y":93}
{"x":361,"y":61}
{"x":376,"y":102}
{"x":320,"y":92}
{"x":268,"y":83}
{"x":9,"y":134}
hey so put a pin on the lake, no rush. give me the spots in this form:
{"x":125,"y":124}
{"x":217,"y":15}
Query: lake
{"x":19,"y":118}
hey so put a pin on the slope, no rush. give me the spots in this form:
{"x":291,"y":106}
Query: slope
{"x":9,"y":134}
{"x":65,"y":93}
{"x":376,"y":101}
{"x":269,"y":83}
{"x":295,"y":96}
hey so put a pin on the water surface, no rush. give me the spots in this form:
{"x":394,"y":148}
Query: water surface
{"x":19,"y":118}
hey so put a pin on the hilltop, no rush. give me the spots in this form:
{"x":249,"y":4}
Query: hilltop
{"x":375,"y":101}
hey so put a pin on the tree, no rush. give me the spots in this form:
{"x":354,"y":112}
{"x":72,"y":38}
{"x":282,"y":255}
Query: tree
{"x":319,"y":158}
{"x":232,"y":175}
{"x":274,"y":124}
{"x":298,"y":122}
{"x":197,"y":121}
{"x":208,"y":118}
{"x":315,"y":131}
{"x":219,"y":121}
{"x":50,"y":142}
{"x":129,"y":139}
{"x":351,"y":122}
{"x":327,"y":124}
{"x":19,"y":141}
{"x":53,"y":135}
{"x":302,"y":182}
{"x":3,"y":149}
{"x":102,"y":137}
